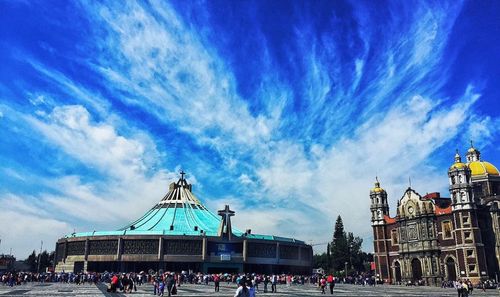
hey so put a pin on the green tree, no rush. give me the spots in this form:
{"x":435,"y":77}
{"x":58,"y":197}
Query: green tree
{"x":321,"y":261}
{"x":345,"y":250}
{"x":31,"y":261}
{"x":328,"y":258}
{"x":339,"y":250}
{"x":46,"y":260}
{"x":355,"y":253}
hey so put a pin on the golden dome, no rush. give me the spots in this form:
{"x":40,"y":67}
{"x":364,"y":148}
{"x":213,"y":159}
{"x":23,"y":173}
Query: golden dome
{"x":482,"y":168}
{"x":472,"y":150}
{"x":378,"y":190}
{"x":458,"y":165}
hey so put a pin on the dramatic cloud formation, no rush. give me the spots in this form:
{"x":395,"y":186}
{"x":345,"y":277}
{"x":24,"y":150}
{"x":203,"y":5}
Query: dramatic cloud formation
{"x":287,"y":112}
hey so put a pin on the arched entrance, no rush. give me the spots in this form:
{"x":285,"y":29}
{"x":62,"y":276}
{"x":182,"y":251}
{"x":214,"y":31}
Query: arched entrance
{"x":416,"y":269}
{"x":450,"y":268}
{"x":397,"y":272}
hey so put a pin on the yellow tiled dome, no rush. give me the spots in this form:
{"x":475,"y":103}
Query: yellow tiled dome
{"x":482,"y":168}
{"x":458,"y":165}
{"x":378,"y":190}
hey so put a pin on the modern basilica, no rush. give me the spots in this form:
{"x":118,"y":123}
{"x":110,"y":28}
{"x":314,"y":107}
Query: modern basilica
{"x":180,"y":233}
{"x":435,"y":239}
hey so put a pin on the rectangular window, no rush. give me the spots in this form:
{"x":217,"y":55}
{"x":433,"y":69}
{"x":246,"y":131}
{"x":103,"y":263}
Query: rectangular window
{"x":394,"y":236}
{"x":465,"y":220}
{"x":469,"y":253}
{"x":446,"y":225}
{"x":468,"y":235}
{"x":472,"y":268}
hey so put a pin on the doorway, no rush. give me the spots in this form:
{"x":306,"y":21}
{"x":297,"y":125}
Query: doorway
{"x":450,"y":268}
{"x":416,"y":268}
{"x":397,"y":272}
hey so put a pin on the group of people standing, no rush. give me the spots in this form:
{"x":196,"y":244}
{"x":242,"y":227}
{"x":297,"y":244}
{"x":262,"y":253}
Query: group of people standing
{"x":327,"y":280}
{"x":165,"y":284}
{"x":464,"y":288}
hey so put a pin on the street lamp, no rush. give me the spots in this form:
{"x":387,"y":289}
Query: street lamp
{"x":40,"y":256}
{"x":346,"y":270}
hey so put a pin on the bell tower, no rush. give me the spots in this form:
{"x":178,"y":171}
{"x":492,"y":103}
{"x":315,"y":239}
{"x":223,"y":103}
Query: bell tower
{"x":464,"y":205}
{"x":460,"y":185}
{"x":380,"y":208}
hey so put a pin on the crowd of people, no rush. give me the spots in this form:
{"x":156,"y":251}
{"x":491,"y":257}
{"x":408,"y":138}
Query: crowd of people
{"x":247,"y":285}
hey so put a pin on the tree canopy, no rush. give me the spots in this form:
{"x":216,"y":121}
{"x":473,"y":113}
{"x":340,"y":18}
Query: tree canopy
{"x":343,"y":251}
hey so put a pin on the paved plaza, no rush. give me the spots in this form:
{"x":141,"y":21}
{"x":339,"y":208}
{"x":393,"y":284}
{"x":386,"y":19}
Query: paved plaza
{"x":57,"y":289}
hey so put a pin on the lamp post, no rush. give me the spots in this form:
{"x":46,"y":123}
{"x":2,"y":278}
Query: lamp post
{"x":346,"y":270}
{"x":40,"y":256}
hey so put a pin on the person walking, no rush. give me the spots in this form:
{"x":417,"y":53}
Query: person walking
{"x":274,"y":281}
{"x":242,"y":290}
{"x":266,"y":281}
{"x":251,"y":289}
{"x":169,"y":282}
{"x":459,"y":288}
{"x":114,"y":283}
{"x":216,"y":282}
{"x":322,"y":284}
{"x":330,"y":282}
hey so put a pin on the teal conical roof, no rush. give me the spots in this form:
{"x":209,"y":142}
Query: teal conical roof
{"x":178,"y":213}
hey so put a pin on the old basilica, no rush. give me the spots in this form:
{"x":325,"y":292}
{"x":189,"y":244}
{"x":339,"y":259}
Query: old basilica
{"x":434,"y":239}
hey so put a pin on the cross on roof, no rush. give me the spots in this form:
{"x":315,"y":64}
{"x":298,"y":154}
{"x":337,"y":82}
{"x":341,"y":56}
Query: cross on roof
{"x":182,"y":173}
{"x":226,"y":212}
{"x":225,"y":229}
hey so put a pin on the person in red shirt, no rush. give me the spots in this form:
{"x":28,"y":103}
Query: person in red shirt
{"x":114,"y":283}
{"x":331,"y":282}
{"x":322,"y":284}
{"x":216,"y":282}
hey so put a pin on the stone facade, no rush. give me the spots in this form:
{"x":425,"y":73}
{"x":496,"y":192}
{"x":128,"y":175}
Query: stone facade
{"x":433,"y":239}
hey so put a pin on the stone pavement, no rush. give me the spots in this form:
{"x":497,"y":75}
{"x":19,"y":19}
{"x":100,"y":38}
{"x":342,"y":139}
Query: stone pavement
{"x":57,"y":289}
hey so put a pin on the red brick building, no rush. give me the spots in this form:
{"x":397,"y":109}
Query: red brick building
{"x":433,"y":239}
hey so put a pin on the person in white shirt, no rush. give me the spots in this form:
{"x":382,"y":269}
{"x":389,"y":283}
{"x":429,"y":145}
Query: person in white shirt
{"x":242,"y":290}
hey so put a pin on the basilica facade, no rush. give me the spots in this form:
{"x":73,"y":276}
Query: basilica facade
{"x":180,"y":233}
{"x":432,"y":239}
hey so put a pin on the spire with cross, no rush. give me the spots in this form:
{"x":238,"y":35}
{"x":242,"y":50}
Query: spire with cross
{"x":225,"y":230}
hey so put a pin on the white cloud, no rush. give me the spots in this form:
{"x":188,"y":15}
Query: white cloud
{"x":395,"y":144}
{"x":125,"y":187}
{"x":174,"y":76}
{"x":23,"y":232}
{"x":97,"y":144}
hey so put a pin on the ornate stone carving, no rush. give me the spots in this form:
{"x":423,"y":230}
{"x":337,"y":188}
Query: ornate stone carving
{"x":261,"y":250}
{"x":103,"y":247}
{"x":412,"y":232}
{"x":140,"y":246}
{"x":289,"y":252}
{"x":76,"y":248}
{"x":182,"y":247}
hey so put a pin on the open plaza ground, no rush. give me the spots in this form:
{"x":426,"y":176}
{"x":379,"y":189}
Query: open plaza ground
{"x":61,"y":289}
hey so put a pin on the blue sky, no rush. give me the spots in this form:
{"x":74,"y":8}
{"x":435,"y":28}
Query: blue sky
{"x":285,"y":110}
